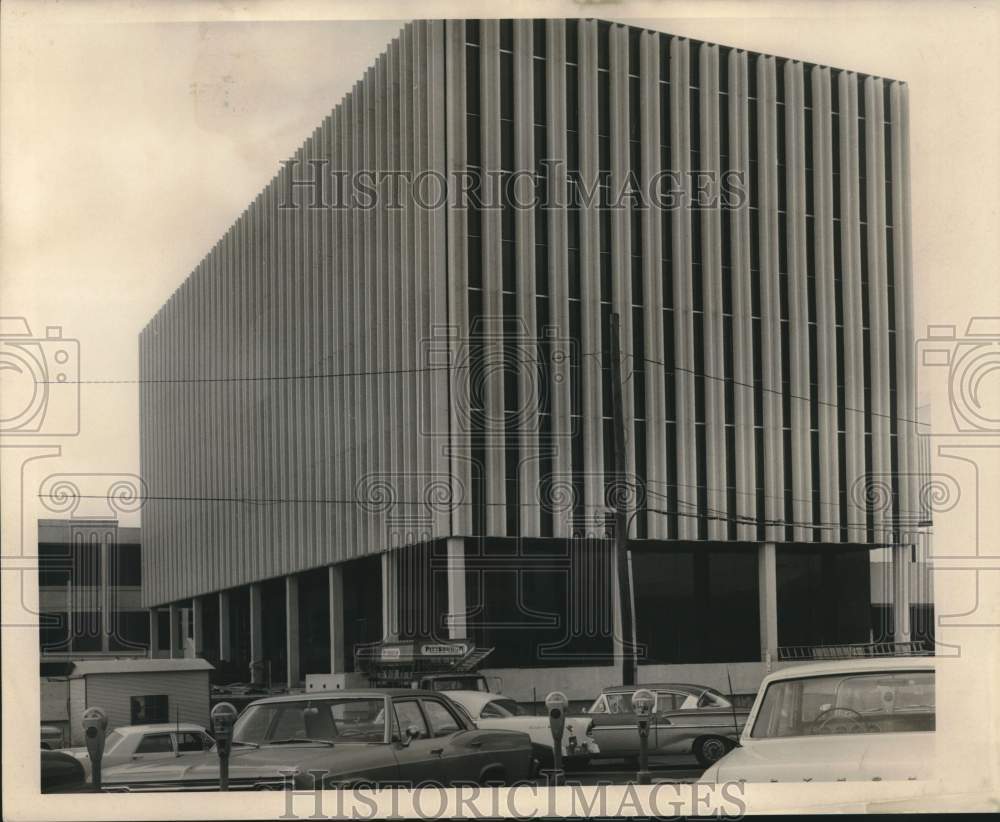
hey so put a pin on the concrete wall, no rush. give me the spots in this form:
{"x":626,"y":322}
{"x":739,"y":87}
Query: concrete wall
{"x":533,"y":684}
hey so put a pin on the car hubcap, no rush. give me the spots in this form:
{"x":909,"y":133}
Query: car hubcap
{"x":713,"y":750}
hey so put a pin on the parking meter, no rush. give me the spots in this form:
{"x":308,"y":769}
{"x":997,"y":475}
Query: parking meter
{"x":95,"y":726}
{"x":556,"y":704}
{"x":223,"y":717}
{"x":643,"y":701}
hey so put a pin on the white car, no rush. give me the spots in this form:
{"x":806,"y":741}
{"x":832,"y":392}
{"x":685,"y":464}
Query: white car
{"x":502,"y":713}
{"x":147,"y":743}
{"x":837,"y":721}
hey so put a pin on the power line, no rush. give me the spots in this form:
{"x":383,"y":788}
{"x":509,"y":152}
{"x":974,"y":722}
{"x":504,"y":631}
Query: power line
{"x":776,"y":391}
{"x":434,"y":368}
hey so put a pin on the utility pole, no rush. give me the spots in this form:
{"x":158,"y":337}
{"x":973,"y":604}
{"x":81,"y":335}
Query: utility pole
{"x":621,"y":511}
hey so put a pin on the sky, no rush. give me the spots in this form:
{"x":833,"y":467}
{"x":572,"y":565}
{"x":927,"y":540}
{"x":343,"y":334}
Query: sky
{"x":134,"y":134}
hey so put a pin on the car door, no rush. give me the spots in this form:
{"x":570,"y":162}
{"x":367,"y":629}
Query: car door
{"x":664,"y":733}
{"x":463,"y":754}
{"x":422,"y":758}
{"x":615,"y":729}
{"x":155,"y":747}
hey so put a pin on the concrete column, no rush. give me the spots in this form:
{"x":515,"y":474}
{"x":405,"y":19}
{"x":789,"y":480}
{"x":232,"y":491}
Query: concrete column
{"x":390,"y":594}
{"x":767,"y":591}
{"x":105,"y":597}
{"x":172,"y":611}
{"x":292,"y":630}
{"x":154,"y":633}
{"x":900,"y":570}
{"x":198,"y":615}
{"x":185,"y":631}
{"x":456,"y":619}
{"x":225,"y":640}
{"x":258,"y":672}
{"x":337,"y":650}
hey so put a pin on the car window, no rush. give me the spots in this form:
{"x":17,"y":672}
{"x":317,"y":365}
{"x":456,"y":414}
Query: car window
{"x":713,"y":699}
{"x":667,"y":701}
{"x":338,"y":719}
{"x":619,"y":703}
{"x":290,"y":725}
{"x":192,"y":741}
{"x":889,"y":702}
{"x":493,"y":711}
{"x":155,"y":743}
{"x":499,"y":708}
{"x":408,"y":713}
{"x":600,"y":706}
{"x":443,"y":722}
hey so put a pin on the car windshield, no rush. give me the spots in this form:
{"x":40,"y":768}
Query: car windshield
{"x":885,"y":702}
{"x":326,"y":720}
{"x":111,"y":741}
{"x":504,"y":707}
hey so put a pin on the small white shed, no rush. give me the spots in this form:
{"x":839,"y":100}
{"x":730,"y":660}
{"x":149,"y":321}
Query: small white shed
{"x":139,"y":691}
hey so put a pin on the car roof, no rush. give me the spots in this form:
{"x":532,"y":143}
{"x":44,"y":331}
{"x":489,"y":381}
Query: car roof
{"x":684,"y":687}
{"x":161,"y":727}
{"x":849,"y":666}
{"x":359,"y":693}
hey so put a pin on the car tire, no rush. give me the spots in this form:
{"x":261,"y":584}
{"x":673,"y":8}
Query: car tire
{"x":710,"y":749}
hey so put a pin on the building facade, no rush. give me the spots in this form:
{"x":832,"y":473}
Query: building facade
{"x":89,"y":579}
{"x":382,"y":403}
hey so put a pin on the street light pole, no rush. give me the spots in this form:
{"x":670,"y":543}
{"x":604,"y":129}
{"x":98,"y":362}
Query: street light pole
{"x":621,"y":512}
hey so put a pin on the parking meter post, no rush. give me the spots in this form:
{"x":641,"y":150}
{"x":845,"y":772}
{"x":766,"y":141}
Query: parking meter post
{"x":643,"y":701}
{"x":95,"y":726}
{"x":643,"y":776}
{"x":556,"y":704}
{"x":223,"y":717}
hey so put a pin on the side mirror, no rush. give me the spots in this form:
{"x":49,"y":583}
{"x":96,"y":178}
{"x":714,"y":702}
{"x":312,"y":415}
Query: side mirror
{"x":411,"y":733}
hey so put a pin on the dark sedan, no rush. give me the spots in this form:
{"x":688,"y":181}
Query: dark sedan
{"x":368,"y":737}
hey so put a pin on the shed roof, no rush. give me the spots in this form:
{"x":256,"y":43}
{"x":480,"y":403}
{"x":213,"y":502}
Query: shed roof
{"x":138,"y":666}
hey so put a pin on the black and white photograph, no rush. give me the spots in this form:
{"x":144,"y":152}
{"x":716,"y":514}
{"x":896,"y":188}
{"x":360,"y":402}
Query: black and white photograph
{"x":459,"y":411}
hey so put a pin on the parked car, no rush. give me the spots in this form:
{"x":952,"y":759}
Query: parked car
{"x":51,"y":737}
{"x":393,"y":736}
{"x":494,"y":711}
{"x":687,"y":719}
{"x":147,"y":744}
{"x":460,"y":682}
{"x":61,"y":773}
{"x":838,"y":721}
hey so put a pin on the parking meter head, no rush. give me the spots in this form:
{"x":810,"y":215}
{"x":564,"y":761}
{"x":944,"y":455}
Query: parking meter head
{"x":223,"y":717}
{"x":643,"y":701}
{"x":556,"y":703}
{"x":95,"y":726}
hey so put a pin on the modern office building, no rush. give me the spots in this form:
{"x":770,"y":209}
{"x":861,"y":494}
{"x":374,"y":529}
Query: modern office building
{"x":381,"y":405}
{"x":89,"y":578}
